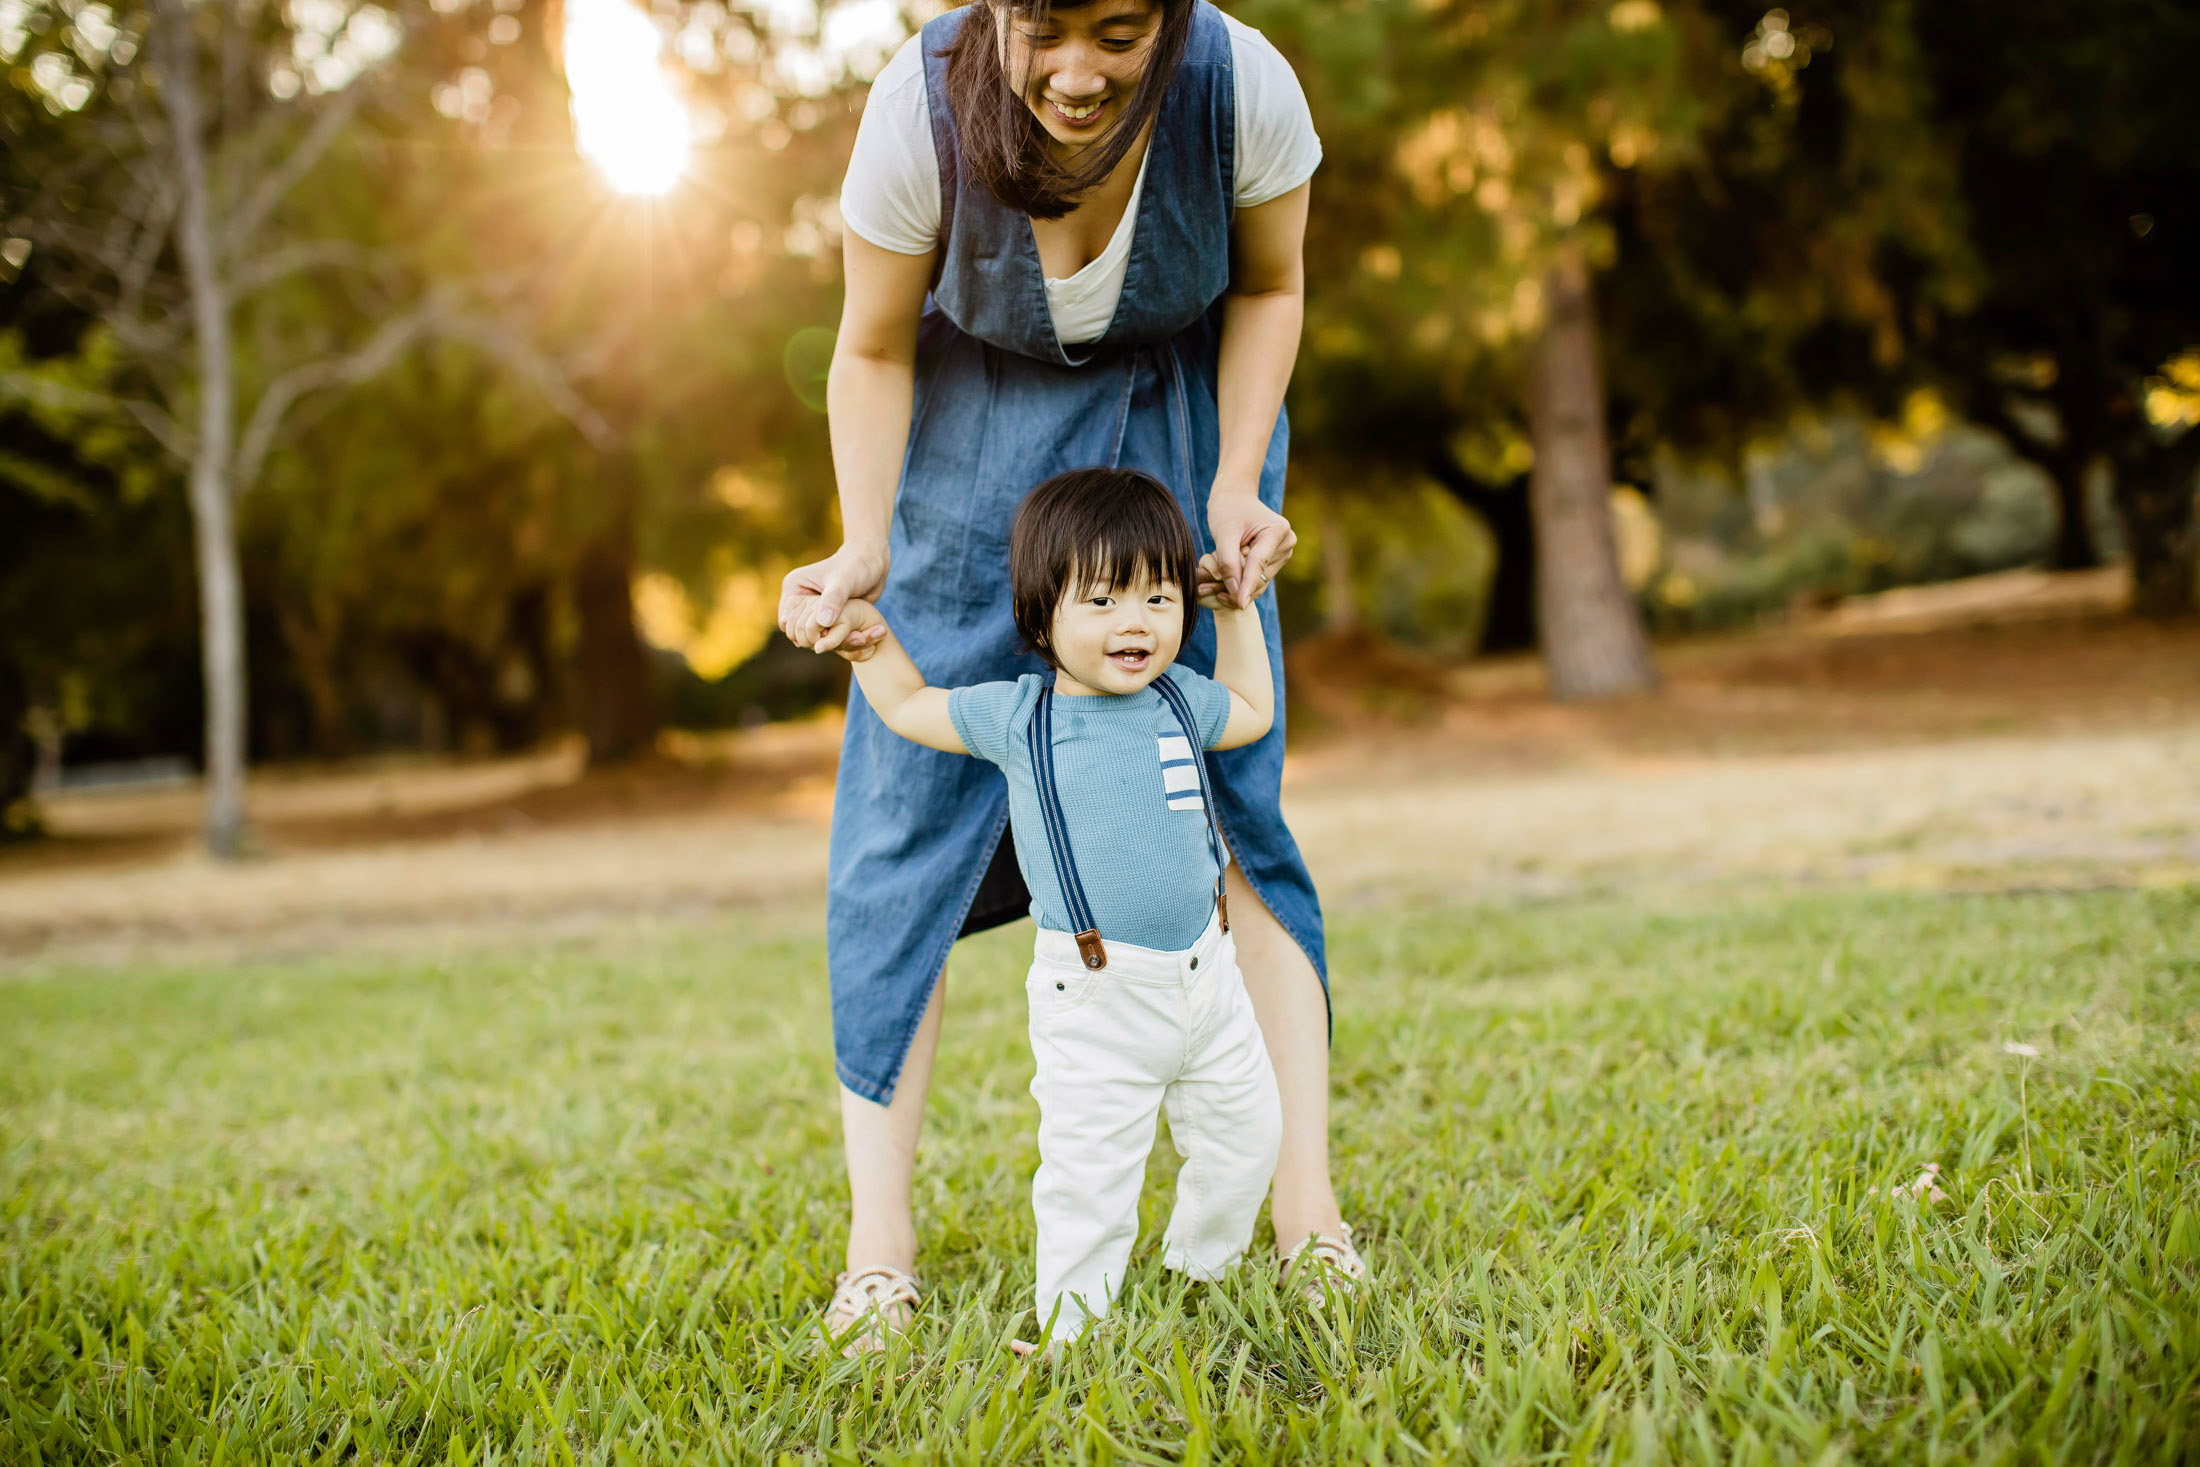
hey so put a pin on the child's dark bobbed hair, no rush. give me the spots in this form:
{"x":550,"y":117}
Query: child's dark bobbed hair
{"x":1095,"y":527}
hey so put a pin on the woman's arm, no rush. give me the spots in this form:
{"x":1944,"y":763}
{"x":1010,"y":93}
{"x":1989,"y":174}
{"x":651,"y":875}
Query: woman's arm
{"x":1261,"y":316}
{"x":868,"y":397}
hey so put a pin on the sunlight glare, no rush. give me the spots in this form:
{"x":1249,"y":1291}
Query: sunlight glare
{"x":626,"y":118}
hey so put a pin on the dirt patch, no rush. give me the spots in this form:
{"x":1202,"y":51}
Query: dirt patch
{"x":2057,"y":751}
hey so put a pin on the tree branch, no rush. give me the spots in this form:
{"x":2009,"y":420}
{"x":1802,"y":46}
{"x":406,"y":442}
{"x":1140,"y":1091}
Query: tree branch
{"x":29,"y":387}
{"x":309,"y":255}
{"x":388,"y":342}
{"x":1990,"y":409}
{"x":507,"y":345}
{"x":381,"y":351}
{"x":254,"y":211}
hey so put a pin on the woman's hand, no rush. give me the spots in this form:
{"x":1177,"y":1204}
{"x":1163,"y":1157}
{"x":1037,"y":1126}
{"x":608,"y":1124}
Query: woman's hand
{"x":812,"y":596}
{"x":1252,"y":542}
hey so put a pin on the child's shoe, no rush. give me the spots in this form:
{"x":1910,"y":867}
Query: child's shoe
{"x":1322,"y":1267}
{"x":874,"y":1303}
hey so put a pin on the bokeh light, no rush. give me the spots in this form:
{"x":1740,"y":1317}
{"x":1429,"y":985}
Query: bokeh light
{"x":627,"y":119}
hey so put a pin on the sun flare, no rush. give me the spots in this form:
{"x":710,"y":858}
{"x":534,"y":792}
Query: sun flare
{"x":627,"y":119}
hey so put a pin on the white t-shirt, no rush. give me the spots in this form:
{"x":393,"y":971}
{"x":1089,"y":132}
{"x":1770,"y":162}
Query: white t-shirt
{"x":891,"y":195}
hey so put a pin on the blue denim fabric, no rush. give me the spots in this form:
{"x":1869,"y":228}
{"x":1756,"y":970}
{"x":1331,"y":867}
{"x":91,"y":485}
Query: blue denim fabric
{"x":1001,"y":405}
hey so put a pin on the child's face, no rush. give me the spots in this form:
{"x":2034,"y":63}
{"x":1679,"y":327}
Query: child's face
{"x":1117,"y":639}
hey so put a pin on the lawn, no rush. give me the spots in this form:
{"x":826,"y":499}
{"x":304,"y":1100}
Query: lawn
{"x":1637,"y":1184}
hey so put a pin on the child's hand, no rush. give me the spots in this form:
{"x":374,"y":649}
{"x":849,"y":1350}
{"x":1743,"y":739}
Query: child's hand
{"x":850,"y":635}
{"x":1209,"y":590}
{"x":857,"y":634}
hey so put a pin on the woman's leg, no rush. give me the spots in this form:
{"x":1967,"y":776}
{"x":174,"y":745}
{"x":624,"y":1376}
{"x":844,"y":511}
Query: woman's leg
{"x":881,"y":1146}
{"x":1294,"y":1020}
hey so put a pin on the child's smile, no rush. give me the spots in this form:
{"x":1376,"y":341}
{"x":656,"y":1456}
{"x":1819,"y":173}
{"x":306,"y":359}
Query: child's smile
{"x":1117,"y":639}
{"x":1131,"y":659}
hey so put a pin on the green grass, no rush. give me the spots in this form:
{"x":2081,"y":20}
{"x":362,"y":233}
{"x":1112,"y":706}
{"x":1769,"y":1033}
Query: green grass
{"x":1626,"y":1176}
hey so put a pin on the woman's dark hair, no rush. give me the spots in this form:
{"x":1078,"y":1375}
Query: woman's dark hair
{"x":1004,"y":146}
{"x":1095,"y":527}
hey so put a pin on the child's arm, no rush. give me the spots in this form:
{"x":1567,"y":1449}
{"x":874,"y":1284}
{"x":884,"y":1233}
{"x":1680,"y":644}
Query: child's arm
{"x":891,"y":683}
{"x":1241,"y":666}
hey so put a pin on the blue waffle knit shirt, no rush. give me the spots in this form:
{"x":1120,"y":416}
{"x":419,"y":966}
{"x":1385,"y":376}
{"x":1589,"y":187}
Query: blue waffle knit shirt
{"x":1130,"y":795}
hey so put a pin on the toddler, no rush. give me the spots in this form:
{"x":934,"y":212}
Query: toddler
{"x":1135,"y":997}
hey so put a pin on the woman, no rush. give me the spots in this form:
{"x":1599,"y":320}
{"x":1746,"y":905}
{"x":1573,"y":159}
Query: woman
{"x":1073,"y":237}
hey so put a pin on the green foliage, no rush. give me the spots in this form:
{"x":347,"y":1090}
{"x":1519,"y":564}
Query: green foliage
{"x":438,"y":562}
{"x":1637,"y":1185}
{"x":96,"y":619}
{"x":2067,"y":122}
{"x":1743,"y":211}
{"x":1404,"y":559}
{"x":1824,"y":514}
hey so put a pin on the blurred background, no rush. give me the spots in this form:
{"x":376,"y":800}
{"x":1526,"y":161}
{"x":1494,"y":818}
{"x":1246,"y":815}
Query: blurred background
{"x":418,"y":403}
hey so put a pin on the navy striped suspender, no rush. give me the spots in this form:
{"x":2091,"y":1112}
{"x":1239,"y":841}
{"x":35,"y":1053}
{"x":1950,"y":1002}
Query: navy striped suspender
{"x":1041,"y":738}
{"x":1182,"y":708}
{"x":1089,"y":946}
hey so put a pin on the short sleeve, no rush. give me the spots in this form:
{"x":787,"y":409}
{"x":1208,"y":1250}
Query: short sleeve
{"x":1210,"y":702}
{"x":984,"y":715}
{"x":1277,"y":147}
{"x":891,"y":195}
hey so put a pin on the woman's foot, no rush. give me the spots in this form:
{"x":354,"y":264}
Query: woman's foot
{"x":1322,"y":1267}
{"x":870,"y":1306}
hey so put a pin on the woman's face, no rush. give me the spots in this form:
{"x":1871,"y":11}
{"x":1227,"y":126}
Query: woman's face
{"x":1078,"y":69}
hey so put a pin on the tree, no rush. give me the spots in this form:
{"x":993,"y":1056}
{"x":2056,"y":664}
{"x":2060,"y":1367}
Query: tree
{"x":165,"y":205}
{"x":95,"y":596}
{"x":686,"y":315}
{"x":2073,"y":125}
{"x":1471,"y":148}
{"x":1702,"y":199}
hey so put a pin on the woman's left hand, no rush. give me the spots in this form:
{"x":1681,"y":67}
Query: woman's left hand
{"x":1252,"y":542}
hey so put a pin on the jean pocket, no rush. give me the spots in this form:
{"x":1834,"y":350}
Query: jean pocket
{"x":1055,"y":992}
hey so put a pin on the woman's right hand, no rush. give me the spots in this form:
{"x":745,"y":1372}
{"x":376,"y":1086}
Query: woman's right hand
{"x":812,"y":596}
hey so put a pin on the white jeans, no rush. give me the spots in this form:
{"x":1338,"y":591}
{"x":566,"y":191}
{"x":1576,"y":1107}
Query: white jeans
{"x":1113,"y":1046}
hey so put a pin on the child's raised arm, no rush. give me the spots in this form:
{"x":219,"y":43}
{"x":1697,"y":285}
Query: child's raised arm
{"x":1241,"y":666}
{"x":891,"y":683}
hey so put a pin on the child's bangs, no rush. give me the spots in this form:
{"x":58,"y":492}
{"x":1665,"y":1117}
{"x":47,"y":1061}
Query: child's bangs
{"x":1142,"y":533}
{"x":1117,"y":565}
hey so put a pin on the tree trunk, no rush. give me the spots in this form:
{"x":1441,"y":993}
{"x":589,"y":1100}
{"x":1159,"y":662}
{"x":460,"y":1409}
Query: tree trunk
{"x":18,"y":754}
{"x":1509,"y":625}
{"x":2155,"y":499}
{"x":1593,"y":642}
{"x":617,"y":713}
{"x":2074,"y":547}
{"x":213,"y":506}
{"x":309,"y":654}
{"x":1340,"y":610}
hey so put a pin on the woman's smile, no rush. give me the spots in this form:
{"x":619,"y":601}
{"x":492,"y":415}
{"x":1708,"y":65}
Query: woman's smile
{"x":1080,"y":116}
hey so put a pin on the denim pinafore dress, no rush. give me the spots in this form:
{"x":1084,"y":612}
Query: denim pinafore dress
{"x":1001,"y":404}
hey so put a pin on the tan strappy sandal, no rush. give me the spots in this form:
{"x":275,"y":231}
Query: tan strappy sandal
{"x":870,"y":1306}
{"x":1323,"y":1267}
